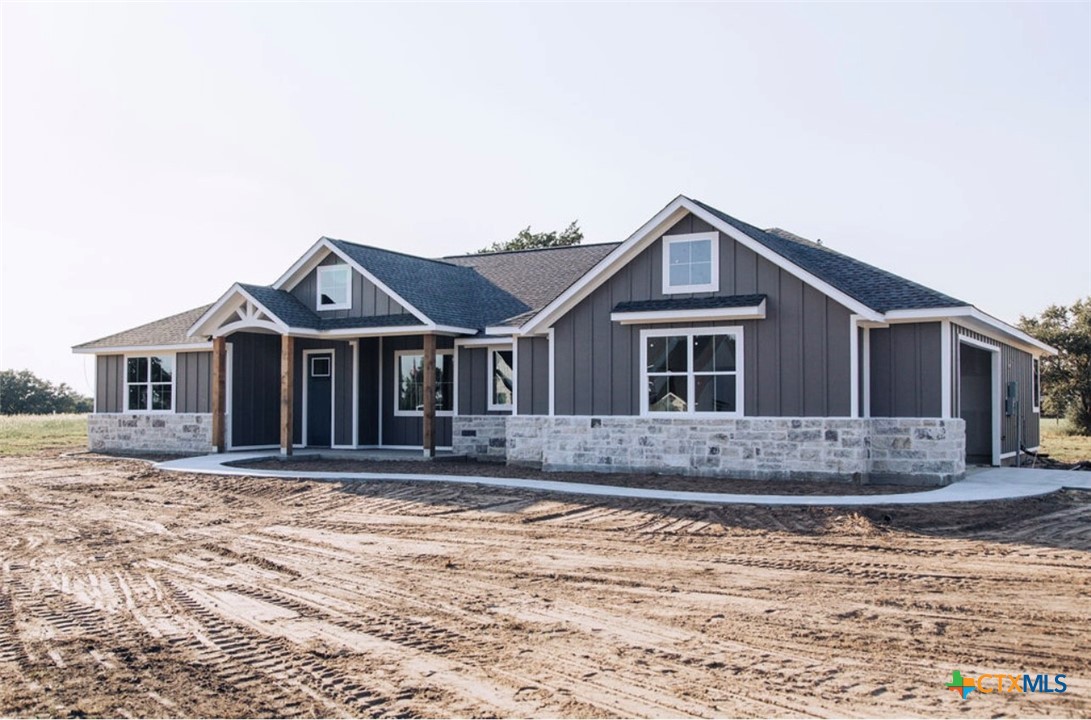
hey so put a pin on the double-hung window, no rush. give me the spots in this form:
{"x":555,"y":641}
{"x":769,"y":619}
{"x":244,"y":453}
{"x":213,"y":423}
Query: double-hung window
{"x":334,"y":285}
{"x":409,"y":382}
{"x":691,"y":263}
{"x":149,"y":383}
{"x":501,"y":379}
{"x":696,"y":372}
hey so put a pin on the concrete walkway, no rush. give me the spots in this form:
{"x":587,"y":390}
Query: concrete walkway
{"x":979,"y":485}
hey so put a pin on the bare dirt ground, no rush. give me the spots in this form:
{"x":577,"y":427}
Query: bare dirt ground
{"x":463,"y":466}
{"x":125,"y":591}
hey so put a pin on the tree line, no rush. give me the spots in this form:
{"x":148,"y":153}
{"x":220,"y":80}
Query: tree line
{"x":24,"y":393}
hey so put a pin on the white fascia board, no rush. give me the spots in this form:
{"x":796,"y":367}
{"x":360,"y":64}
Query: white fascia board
{"x":749,"y":312}
{"x":983,"y":322}
{"x":605,"y":268}
{"x":306,"y":263}
{"x":814,"y":281}
{"x":485,"y":342}
{"x":222,"y":308}
{"x":115,"y":349}
{"x":448,"y":329}
{"x":502,"y":330}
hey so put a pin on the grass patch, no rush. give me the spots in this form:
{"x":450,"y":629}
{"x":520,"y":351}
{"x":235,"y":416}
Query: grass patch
{"x":1059,"y":442}
{"x":32,"y":434}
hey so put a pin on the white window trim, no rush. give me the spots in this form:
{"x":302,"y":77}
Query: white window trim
{"x":713,"y":286}
{"x":1036,"y":383}
{"x":173,"y":382}
{"x":398,"y":412}
{"x":329,"y":366}
{"x":326,"y":270}
{"x":736,"y":330}
{"x":495,"y":349}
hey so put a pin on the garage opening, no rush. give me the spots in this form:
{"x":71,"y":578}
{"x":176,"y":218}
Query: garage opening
{"x":976,"y":403}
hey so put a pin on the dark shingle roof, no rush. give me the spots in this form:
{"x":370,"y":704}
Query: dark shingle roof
{"x":375,"y":321}
{"x":446,"y":293}
{"x":697,"y":303}
{"x":284,"y":305}
{"x":168,"y":331}
{"x":535,"y":277}
{"x":876,"y":288}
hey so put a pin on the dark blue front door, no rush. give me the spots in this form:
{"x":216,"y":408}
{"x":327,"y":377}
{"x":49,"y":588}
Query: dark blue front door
{"x":319,"y":399}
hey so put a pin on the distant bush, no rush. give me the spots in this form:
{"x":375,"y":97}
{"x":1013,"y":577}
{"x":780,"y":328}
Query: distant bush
{"x":24,"y":393}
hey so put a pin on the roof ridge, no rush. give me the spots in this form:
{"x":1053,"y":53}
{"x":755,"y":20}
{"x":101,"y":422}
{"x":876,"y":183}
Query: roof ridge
{"x":529,"y":250}
{"x":392,"y":252}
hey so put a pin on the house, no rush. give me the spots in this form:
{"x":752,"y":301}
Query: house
{"x":699,"y":345}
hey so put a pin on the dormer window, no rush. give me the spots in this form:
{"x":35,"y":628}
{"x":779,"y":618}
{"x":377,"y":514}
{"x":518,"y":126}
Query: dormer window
{"x":691,"y":263}
{"x":334,"y":282}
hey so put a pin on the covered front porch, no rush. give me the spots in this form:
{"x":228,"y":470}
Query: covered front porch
{"x":391,"y":392}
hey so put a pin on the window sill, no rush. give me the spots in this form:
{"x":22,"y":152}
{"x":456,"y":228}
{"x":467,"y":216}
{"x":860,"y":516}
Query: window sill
{"x":420,"y":414}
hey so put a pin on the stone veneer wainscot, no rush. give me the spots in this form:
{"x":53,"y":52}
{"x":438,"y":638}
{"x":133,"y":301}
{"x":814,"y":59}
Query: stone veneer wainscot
{"x":186,"y":433}
{"x":927,"y":450}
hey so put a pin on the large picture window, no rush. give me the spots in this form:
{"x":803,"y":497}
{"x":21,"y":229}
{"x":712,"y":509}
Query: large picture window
{"x":334,"y":284}
{"x":501,"y":379}
{"x":691,"y":263}
{"x":149,"y":383}
{"x":692,"y":372}
{"x":409,"y":382}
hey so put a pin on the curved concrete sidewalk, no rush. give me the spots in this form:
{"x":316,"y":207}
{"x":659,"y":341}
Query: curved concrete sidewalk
{"x":989,"y":484}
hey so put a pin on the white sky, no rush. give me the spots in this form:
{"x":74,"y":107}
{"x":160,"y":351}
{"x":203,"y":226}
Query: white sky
{"x":155,"y":153}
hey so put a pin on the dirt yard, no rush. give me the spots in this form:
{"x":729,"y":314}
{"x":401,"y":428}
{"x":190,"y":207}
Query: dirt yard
{"x":127,"y":592}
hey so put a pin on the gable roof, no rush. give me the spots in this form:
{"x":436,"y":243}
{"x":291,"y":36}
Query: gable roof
{"x":535,"y":276}
{"x":167,"y":331}
{"x":876,"y":288}
{"x":446,"y":293}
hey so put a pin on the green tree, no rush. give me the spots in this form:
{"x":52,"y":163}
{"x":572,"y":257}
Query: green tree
{"x":527,"y":240}
{"x":24,"y":393}
{"x":1066,"y":378}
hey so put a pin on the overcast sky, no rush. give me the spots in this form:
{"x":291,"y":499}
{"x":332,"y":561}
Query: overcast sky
{"x":155,"y":153}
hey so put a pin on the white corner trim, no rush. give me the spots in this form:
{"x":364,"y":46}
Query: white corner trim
{"x":650,"y":317}
{"x":946,"y":361}
{"x":355,"y":392}
{"x":867,"y":371}
{"x":552,"y":340}
{"x":479,"y":342}
{"x":713,"y":285}
{"x":854,"y":366}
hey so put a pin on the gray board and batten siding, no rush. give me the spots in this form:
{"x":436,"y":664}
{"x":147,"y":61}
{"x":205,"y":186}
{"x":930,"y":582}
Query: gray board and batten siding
{"x":367,"y":299}
{"x":341,"y":387}
{"x":192,"y":382}
{"x":255,"y":389}
{"x":906,"y":370}
{"x":796,"y":361}
{"x":1015,"y":364}
{"x":408,"y":430}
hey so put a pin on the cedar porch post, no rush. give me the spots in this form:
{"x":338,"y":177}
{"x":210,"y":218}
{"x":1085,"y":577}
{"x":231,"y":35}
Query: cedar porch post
{"x":429,"y":395}
{"x":287,"y":392}
{"x":219,"y":393}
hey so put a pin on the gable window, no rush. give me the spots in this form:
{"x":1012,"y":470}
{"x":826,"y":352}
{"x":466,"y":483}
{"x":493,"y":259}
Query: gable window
{"x":501,"y":379}
{"x":409,"y":382}
{"x":695,"y":372}
{"x":1037,"y":380}
{"x":691,"y":263}
{"x":334,"y":284}
{"x":149,"y":383}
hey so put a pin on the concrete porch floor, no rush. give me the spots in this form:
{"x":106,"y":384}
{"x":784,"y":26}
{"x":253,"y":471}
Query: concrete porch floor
{"x":359,"y":454}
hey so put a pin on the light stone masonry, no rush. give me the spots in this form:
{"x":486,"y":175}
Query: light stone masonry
{"x":185,"y":433}
{"x":922,"y":450}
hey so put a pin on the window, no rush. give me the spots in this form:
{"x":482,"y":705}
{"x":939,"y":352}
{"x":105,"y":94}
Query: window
{"x":320,"y":367}
{"x":691,"y":373}
{"x":334,"y":283}
{"x":691,"y":263}
{"x":409,"y":382}
{"x":149,"y":383}
{"x":501,"y":379}
{"x":1037,"y":380}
